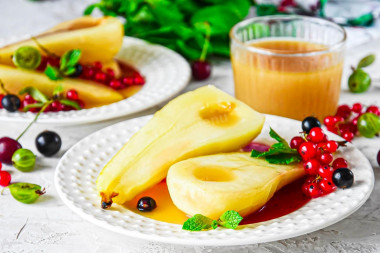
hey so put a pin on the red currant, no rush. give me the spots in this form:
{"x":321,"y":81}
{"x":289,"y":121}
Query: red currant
{"x":56,"y":106}
{"x":348,"y":127}
{"x":343,"y":111}
{"x":339,"y":163}
{"x":53,"y":61}
{"x":29,"y":99}
{"x":325,"y":158}
{"x":81,"y":103}
{"x":347,"y":135}
{"x":311,"y":167}
{"x":98,"y":65}
{"x":1,"y":97}
{"x":326,"y":171}
{"x":43,"y":64}
{"x":110,"y":72}
{"x":127,"y":80}
{"x":357,"y":108}
{"x":295,"y":142}
{"x":312,"y":190}
{"x":326,"y":185}
{"x":329,"y":121}
{"x":5,"y":178}
{"x":100,"y":77}
{"x":138,"y":80}
{"x":88,"y":72}
{"x":316,"y":134}
{"x":307,"y":150}
{"x":72,"y":94}
{"x":115,"y":84}
{"x":373,"y":109}
{"x":321,"y":148}
{"x":332,"y":146}
{"x":1,"y":166}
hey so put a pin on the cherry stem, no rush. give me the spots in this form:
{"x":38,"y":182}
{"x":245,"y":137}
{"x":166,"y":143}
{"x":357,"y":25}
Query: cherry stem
{"x":2,"y":86}
{"x":35,"y":118}
{"x":206,"y":44}
{"x":46,"y":51}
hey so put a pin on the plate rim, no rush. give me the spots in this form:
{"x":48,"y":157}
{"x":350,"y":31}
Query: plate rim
{"x":195,"y":241}
{"x":21,"y":117}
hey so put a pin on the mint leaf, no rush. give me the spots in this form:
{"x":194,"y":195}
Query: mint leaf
{"x":35,"y":105}
{"x":70,"y":59}
{"x":53,"y":73}
{"x":279,"y":153}
{"x":58,"y":90}
{"x":199,"y":222}
{"x":35,"y":93}
{"x":70,"y":103}
{"x":230,"y":219}
{"x":366,"y":61}
{"x":69,"y":71}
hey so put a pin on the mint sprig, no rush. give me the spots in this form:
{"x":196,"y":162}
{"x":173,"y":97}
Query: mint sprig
{"x":229,"y":219}
{"x":278,"y":153}
{"x":66,"y":65}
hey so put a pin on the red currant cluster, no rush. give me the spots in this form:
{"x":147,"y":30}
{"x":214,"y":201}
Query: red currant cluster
{"x":5,"y":177}
{"x":318,"y":161}
{"x":345,"y":121}
{"x":94,"y":72}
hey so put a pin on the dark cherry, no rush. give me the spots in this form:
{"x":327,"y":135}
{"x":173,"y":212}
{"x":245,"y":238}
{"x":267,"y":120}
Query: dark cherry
{"x":11,"y":103}
{"x":343,"y":178}
{"x":78,"y":71}
{"x":146,"y":204}
{"x":378,"y":158}
{"x":48,"y":143}
{"x":201,"y":70}
{"x":7,"y":147}
{"x":310,"y":122}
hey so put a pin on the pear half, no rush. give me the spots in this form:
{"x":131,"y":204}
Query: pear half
{"x":200,"y":122}
{"x":211,"y":185}
{"x":100,"y":39}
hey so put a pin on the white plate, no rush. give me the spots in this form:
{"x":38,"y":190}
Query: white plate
{"x":166,"y":73}
{"x":79,"y":167}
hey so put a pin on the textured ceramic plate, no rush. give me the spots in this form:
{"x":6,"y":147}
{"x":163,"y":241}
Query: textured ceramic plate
{"x":78,"y":169}
{"x":166,"y":73}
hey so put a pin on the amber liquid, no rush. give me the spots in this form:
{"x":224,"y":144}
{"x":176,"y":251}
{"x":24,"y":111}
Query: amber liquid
{"x":294,"y":86}
{"x":286,"y":200}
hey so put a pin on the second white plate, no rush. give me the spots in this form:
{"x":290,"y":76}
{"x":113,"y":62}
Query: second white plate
{"x":78,"y":169}
{"x":166,"y":73}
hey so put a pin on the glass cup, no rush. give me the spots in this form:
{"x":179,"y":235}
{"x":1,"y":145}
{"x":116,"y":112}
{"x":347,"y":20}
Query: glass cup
{"x":289,"y":66}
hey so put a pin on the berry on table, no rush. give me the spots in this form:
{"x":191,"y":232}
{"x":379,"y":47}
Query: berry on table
{"x":373,"y":109}
{"x":7,"y":147}
{"x":330,"y":121}
{"x":295,"y":142}
{"x":310,"y":122}
{"x":24,"y":160}
{"x":5,"y":178}
{"x":343,"y":178}
{"x":48,"y":143}
{"x":201,"y":70}
{"x":343,"y":111}
{"x":357,"y":107}
{"x":146,"y":204}
{"x":378,"y":158}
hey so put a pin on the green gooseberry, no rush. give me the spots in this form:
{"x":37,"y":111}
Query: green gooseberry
{"x":24,"y":160}
{"x":359,"y":81}
{"x":369,"y":125}
{"x":25,"y":192}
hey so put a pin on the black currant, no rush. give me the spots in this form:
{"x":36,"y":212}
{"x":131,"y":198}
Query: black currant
{"x":11,"y":103}
{"x":146,"y":204}
{"x":343,"y":178}
{"x":309,"y":122}
{"x":48,"y":143}
{"x":78,"y":71}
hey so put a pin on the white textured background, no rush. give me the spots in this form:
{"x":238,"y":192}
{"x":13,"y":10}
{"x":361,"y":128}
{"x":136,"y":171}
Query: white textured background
{"x":52,"y":227}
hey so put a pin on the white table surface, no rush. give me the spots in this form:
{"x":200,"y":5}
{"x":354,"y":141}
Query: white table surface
{"x":51,"y":227}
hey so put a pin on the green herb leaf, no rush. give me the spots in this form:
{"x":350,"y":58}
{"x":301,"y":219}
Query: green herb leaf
{"x":199,"y":222}
{"x":53,"y":73}
{"x":58,"y":90}
{"x":70,"y":59}
{"x":230,"y":219}
{"x":68,"y":71}
{"x":366,"y":61}
{"x":25,"y":192}
{"x":279,"y":153}
{"x":35,"y":105}
{"x":70,"y":103}
{"x":90,"y":9}
{"x":35,"y":93}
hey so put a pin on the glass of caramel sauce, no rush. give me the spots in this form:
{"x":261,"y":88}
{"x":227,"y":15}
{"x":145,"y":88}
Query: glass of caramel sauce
{"x":289,"y":66}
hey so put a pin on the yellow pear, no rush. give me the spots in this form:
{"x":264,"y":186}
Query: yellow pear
{"x":211,"y":185}
{"x":200,"y":122}
{"x":93,"y":94}
{"x":100,"y":39}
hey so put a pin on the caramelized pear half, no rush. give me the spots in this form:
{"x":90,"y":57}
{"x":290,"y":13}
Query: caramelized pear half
{"x":200,"y":122}
{"x":211,"y":185}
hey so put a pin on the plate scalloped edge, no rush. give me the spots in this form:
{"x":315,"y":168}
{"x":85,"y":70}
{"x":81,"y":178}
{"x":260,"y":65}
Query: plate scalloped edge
{"x":166,"y":72}
{"x":77,"y":171}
